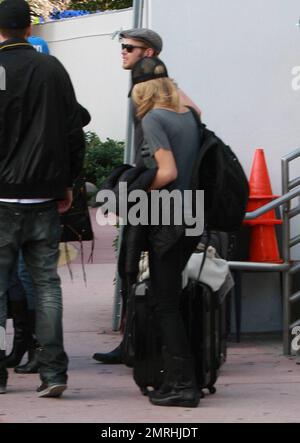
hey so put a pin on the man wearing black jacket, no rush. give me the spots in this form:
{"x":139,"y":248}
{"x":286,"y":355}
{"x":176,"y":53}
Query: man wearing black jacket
{"x":41,"y":154}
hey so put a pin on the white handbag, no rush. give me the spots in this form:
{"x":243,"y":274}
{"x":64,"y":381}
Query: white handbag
{"x":214,"y":271}
{"x":144,"y":271}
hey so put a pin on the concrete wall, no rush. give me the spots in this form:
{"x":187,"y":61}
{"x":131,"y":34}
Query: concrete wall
{"x":235,"y":58}
{"x":238,"y":60}
{"x":86,"y":48}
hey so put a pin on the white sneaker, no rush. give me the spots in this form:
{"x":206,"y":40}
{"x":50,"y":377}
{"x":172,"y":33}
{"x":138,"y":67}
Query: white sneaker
{"x":55,"y":390}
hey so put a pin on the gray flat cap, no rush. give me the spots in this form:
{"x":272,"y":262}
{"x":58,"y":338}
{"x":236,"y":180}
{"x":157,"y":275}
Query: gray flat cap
{"x":145,"y":35}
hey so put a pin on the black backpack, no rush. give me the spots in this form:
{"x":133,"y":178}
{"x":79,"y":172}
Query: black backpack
{"x":220,"y":175}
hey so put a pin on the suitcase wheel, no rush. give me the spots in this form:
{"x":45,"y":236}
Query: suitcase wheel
{"x":144,"y":391}
{"x":212,"y":390}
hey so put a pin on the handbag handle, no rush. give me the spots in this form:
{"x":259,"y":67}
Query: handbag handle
{"x":204,"y":255}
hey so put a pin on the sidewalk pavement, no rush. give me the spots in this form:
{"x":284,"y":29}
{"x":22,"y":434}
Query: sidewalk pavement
{"x":257,"y":384}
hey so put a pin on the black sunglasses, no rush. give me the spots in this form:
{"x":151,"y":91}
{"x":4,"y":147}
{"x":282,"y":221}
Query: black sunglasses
{"x":130,"y":48}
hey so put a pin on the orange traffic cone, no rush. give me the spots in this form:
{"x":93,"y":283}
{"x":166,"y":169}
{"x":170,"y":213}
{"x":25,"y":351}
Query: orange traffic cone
{"x":263,"y":241}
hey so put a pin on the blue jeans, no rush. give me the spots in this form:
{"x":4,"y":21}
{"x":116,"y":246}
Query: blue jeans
{"x":27,"y":283}
{"x":21,"y":285}
{"x":35,"y":229}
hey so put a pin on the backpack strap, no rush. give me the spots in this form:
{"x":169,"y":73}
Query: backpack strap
{"x":203,"y":147}
{"x":195,"y":115}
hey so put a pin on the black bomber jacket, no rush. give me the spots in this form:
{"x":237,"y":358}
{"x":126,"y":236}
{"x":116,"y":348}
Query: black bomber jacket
{"x":41,"y":138}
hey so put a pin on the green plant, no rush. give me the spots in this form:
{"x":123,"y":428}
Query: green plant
{"x":101,"y":158}
{"x":101,"y":5}
{"x":43,"y":8}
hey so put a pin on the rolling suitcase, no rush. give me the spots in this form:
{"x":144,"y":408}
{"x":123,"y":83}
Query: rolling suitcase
{"x":147,"y":367}
{"x":202,"y":318}
{"x":222,"y":331}
{"x":199,"y":309}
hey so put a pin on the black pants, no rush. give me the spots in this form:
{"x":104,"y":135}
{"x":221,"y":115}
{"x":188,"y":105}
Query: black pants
{"x":166,"y":283}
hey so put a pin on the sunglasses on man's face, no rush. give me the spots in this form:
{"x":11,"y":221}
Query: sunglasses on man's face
{"x":130,"y":48}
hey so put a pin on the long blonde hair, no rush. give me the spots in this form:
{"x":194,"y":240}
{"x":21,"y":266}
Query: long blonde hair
{"x":160,"y":92}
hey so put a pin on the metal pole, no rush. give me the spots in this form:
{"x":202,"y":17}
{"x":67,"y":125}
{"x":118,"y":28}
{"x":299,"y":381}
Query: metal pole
{"x":286,"y":198}
{"x":287,"y":215}
{"x":286,"y":282}
{"x":138,"y":7}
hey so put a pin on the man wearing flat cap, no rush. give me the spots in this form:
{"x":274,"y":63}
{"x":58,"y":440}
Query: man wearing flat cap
{"x":136,"y":44}
{"x":41,"y":155}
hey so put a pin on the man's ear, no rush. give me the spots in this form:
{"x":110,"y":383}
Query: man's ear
{"x":150,"y":52}
{"x":28,"y":32}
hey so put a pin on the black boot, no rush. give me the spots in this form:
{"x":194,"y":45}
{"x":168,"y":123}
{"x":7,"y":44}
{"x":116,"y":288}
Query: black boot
{"x":31,"y":367}
{"x":21,"y":333}
{"x":110,"y":358}
{"x":179,"y":387}
{"x":3,"y":373}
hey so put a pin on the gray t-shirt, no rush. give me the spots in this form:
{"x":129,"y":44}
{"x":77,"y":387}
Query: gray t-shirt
{"x":175,"y":132}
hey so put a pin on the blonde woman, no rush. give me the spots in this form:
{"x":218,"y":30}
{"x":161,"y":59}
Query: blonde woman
{"x":171,"y":143}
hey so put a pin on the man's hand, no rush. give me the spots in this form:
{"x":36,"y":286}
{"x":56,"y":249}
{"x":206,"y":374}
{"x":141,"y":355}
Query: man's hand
{"x":186,"y":101}
{"x":64,"y":205}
